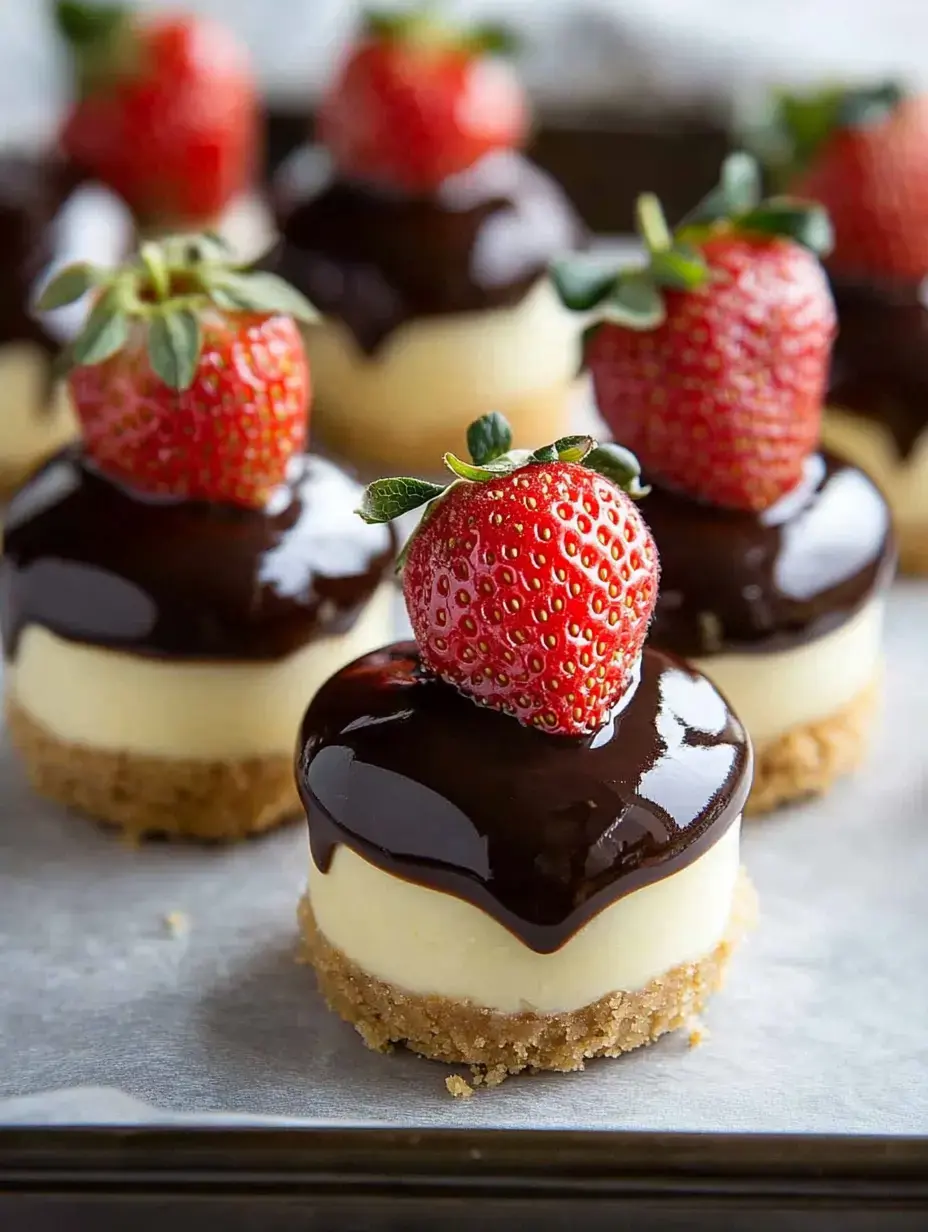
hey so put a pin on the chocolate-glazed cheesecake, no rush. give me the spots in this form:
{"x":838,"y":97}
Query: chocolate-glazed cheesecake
{"x":878,"y":400}
{"x":783,"y":610}
{"x":434,"y":308}
{"x":159,"y":653}
{"x":35,"y":414}
{"x":431,"y":286}
{"x":523,"y":892}
{"x":174,"y":586}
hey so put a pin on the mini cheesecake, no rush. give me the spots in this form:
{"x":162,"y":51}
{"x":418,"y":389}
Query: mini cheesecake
{"x":783,"y":610}
{"x":878,"y":401}
{"x":159,"y":651}
{"x":35,"y":412}
{"x":434,"y":308}
{"x":490,"y":894}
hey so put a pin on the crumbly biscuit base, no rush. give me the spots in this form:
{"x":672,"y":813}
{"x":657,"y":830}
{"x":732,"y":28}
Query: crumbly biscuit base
{"x":807,"y":760}
{"x":498,"y":1043}
{"x":912,"y":538}
{"x":539,"y":416}
{"x":156,"y":796}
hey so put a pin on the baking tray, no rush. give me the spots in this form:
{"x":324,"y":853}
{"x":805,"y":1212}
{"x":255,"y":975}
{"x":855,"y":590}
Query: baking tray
{"x":161,"y":1046}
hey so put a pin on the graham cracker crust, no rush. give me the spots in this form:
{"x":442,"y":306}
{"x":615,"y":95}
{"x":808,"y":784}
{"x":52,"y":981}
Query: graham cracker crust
{"x":807,"y":760}
{"x":539,"y":416}
{"x":149,"y":797}
{"x":497,"y":1043}
{"x":912,"y":539}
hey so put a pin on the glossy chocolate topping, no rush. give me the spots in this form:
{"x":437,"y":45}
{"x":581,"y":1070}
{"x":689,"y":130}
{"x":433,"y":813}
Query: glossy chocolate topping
{"x":880,"y":361}
{"x":541,"y":832}
{"x":96,"y":562}
{"x":734,"y":581}
{"x":32,"y":191}
{"x":375,"y":258}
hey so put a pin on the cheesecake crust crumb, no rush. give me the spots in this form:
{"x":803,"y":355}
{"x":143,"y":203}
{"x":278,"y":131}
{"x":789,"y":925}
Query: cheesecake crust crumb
{"x":146,"y":797}
{"x":177,"y":923}
{"x":807,"y":760}
{"x":458,"y":1087}
{"x":912,"y":538}
{"x":497,"y":1044}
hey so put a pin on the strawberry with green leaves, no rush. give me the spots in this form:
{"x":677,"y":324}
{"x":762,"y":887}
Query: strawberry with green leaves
{"x":711,"y":361}
{"x":166,"y":112}
{"x":863,"y":154}
{"x":189,"y":379}
{"x":420,"y":99}
{"x":532,"y":577}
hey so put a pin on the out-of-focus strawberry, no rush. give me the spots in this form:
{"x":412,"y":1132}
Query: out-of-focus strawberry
{"x":166,"y":111}
{"x":418,"y":100}
{"x":190,"y":378}
{"x":711,"y":362}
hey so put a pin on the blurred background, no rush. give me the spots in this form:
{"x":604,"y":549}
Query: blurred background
{"x":629,"y":93}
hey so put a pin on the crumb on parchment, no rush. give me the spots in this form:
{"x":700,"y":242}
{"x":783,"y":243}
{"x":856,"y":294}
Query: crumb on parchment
{"x":458,"y":1088}
{"x":698,"y":1033}
{"x":177,"y":923}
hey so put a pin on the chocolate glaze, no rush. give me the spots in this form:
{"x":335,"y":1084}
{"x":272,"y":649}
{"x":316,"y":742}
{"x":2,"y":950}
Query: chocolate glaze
{"x":32,"y":191}
{"x":541,"y":832}
{"x":733,"y":581}
{"x":100,"y":563}
{"x":376,"y":258}
{"x":879,"y":365}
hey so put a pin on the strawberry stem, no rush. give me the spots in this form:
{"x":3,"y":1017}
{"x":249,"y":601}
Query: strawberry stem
{"x":152,"y":257}
{"x":652,"y":225}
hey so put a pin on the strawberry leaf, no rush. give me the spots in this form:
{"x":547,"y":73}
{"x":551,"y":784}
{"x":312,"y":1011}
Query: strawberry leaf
{"x":680,"y":268}
{"x":620,"y":465}
{"x":862,"y":108}
{"x":809,"y":225}
{"x":481,"y":474}
{"x":259,"y":291}
{"x":174,"y":345}
{"x":581,"y":283}
{"x":71,"y":284}
{"x":493,"y":39}
{"x":573,"y":448}
{"x":82,"y":24}
{"x":386,"y":499}
{"x":489,"y":437}
{"x":635,"y":302}
{"x":106,"y":331}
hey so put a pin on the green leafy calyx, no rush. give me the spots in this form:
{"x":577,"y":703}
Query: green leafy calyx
{"x":794,"y":128}
{"x":422,"y":26}
{"x":634,"y":296}
{"x":167,"y":287}
{"x":489,"y":442}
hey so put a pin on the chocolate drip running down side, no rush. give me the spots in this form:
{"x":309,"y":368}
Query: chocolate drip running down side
{"x":541,"y":832}
{"x":375,"y":259}
{"x":879,"y":364}
{"x":96,"y":562}
{"x":32,"y":191}
{"x":744,"y":582}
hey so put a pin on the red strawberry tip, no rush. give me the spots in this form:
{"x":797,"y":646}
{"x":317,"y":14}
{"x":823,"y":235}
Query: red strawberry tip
{"x":489,"y":442}
{"x":632,"y":297}
{"x":167,"y":285}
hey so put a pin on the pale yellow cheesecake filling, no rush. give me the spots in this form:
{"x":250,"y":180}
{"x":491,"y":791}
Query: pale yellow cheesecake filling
{"x":430,"y":943}
{"x":436,"y":370}
{"x":35,"y":420}
{"x":110,"y":700}
{"x":774,"y":692}
{"x":869,"y":445}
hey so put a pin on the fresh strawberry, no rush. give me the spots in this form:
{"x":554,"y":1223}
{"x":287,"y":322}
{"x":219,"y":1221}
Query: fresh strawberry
{"x":418,"y":101}
{"x":167,"y":112}
{"x":864,"y":155}
{"x":190,"y":378}
{"x":531,"y":579}
{"x":711,"y":362}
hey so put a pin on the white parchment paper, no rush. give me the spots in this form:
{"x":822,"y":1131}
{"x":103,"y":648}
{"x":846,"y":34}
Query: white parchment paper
{"x":109,"y":1015}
